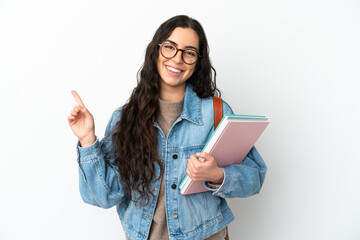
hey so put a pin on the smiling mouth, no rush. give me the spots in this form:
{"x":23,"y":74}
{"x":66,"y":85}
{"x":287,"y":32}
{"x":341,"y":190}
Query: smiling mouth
{"x":174,"y":70}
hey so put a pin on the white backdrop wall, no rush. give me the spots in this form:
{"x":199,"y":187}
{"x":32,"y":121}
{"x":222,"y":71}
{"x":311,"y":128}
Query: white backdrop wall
{"x":294,"y":61}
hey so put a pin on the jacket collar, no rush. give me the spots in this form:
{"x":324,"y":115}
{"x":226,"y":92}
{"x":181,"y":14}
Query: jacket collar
{"x":192,"y":106}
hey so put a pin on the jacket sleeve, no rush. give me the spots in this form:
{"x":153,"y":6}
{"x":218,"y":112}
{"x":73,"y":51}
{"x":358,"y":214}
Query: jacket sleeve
{"x":244,"y":179}
{"x":99,"y":181}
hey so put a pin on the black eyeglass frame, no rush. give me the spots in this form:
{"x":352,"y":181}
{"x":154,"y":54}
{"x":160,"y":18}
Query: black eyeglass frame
{"x":182,"y":52}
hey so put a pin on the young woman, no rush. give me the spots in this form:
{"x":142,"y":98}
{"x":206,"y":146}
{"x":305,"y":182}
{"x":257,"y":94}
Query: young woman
{"x":154,"y":140}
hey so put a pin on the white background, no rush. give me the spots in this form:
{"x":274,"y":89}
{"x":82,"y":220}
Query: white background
{"x":295,"y":61}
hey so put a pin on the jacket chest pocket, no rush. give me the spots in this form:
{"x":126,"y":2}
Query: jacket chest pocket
{"x":192,"y":150}
{"x":185,"y":155}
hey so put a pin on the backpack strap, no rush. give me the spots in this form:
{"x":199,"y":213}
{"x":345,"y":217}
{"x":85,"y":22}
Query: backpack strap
{"x":218,"y":115}
{"x":218,"y":111}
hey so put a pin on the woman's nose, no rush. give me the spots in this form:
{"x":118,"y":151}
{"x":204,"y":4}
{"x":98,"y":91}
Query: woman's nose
{"x":178,"y":58}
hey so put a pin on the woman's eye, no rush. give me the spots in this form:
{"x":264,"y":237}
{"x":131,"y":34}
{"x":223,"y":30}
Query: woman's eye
{"x":190,"y":53}
{"x":169,"y":47}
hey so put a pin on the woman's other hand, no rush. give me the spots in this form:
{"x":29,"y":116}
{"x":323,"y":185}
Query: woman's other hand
{"x":207,"y":170}
{"x":81,"y":122}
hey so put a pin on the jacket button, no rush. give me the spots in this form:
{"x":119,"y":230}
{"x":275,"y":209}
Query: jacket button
{"x":175,"y":156}
{"x":175,"y":215}
{"x":173,"y":186}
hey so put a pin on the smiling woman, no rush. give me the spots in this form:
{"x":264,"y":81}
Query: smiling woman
{"x":139,"y":164}
{"x":172,"y":68}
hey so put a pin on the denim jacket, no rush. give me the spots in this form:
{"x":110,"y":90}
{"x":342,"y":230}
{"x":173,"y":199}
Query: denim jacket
{"x":194,"y":216}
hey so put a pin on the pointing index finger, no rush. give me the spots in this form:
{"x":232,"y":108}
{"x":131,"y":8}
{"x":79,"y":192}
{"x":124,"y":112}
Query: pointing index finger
{"x":77,"y":98}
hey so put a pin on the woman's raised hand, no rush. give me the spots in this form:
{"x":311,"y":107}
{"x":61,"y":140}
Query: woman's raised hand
{"x":81,"y":122}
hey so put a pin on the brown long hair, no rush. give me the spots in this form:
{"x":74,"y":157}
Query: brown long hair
{"x":135,"y":138}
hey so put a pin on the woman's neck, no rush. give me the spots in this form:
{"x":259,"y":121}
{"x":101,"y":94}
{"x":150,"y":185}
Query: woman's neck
{"x":171,"y":94}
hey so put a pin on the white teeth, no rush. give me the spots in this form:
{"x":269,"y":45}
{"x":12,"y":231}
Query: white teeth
{"x":173,"y":69}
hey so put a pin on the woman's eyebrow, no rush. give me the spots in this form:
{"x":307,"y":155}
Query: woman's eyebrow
{"x":185,"y":46}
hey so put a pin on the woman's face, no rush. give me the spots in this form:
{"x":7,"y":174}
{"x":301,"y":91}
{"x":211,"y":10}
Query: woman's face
{"x":174,"y":72}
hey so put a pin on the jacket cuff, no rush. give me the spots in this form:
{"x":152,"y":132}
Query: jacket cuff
{"x":219,"y":191}
{"x":87,"y":153}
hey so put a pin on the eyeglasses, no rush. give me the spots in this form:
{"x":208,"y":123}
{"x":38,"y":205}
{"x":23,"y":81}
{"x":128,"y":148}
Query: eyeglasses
{"x":169,"y":50}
